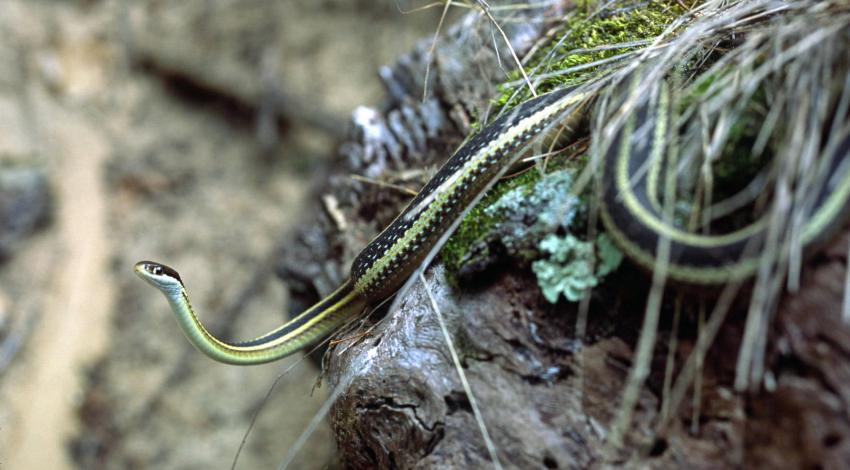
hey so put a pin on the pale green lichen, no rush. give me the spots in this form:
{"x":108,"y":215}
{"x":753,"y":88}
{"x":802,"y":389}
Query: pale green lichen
{"x":470,"y":238}
{"x":610,"y":256}
{"x":573,"y":266}
{"x":525,"y":214}
{"x":524,"y":222}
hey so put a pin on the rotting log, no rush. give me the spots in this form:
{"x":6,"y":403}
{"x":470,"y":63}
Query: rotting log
{"x":405,"y":405}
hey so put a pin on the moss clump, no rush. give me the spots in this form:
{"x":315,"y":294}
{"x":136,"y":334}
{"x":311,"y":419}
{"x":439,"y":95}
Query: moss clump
{"x":478,"y":223}
{"x":588,"y":31}
{"x":738,"y":164}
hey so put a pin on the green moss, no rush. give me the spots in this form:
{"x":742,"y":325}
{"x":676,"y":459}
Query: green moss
{"x":477,"y":224}
{"x":738,"y":165}
{"x":587,"y":30}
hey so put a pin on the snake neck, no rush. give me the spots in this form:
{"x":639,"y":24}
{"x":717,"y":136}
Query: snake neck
{"x":302,"y":331}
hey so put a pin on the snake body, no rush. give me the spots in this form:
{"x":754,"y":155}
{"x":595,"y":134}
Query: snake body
{"x":627,"y":213}
{"x":389,"y":259}
{"x":637,"y":223}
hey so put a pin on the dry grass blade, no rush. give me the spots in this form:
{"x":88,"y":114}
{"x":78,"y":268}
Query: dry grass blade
{"x":486,"y":8}
{"x":433,"y":47}
{"x":691,"y":367}
{"x":794,"y":53}
{"x":322,"y":411}
{"x":384,"y":184}
{"x":845,"y":307}
{"x":698,"y":366}
{"x":649,"y":330}
{"x":672,"y":347}
{"x":314,"y":423}
{"x":265,"y":399}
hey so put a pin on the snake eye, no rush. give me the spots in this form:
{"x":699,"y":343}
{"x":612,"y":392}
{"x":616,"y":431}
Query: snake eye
{"x":154,"y":270}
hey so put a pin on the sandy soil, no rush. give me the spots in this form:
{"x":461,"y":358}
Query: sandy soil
{"x":74,"y":326}
{"x":143,"y":169}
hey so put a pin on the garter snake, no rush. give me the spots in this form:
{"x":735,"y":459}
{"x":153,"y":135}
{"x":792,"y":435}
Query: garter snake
{"x":627,"y":213}
{"x":391,"y":257}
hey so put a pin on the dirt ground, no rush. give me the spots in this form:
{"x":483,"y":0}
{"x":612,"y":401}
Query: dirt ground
{"x":143,"y":166}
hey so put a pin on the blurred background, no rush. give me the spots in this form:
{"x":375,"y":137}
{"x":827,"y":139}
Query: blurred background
{"x":185,"y":132}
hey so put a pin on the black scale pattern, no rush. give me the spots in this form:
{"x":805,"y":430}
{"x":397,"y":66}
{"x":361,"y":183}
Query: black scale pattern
{"x":396,"y":272}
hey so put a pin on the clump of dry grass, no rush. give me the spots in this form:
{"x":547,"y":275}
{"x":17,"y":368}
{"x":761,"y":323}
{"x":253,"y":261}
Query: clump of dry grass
{"x":788,"y":62}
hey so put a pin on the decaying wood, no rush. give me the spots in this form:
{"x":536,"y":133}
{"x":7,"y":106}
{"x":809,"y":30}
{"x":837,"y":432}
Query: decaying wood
{"x":405,"y":406}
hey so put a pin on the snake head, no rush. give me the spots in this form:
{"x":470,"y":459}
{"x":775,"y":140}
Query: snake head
{"x":158,"y":275}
